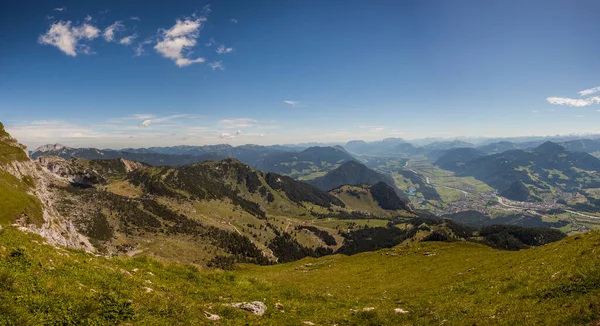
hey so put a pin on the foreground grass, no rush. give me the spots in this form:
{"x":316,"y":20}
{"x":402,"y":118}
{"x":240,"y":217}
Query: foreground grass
{"x":450,"y":283}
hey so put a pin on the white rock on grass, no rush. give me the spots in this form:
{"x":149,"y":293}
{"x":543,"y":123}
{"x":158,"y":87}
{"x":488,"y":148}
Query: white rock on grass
{"x":256,"y":307}
{"x":309,"y":323}
{"x":400,"y":311}
{"x":211,"y":316}
{"x":368,"y":308}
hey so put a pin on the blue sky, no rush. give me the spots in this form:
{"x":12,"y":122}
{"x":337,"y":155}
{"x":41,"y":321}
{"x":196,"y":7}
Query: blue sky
{"x":127,"y":73}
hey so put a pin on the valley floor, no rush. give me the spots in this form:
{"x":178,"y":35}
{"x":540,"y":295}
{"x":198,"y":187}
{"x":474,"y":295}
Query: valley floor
{"x":423,"y":283}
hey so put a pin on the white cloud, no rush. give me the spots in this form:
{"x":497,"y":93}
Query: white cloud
{"x":233,"y":20}
{"x":66,"y":37}
{"x":210,"y":42}
{"x":589,"y":91}
{"x":60,"y":9}
{"x":223,"y":50}
{"x":48,"y":17}
{"x":109,"y":32}
{"x":87,"y":18}
{"x":238,"y":123}
{"x":128,"y":39}
{"x":102,"y":12}
{"x":135,"y":18}
{"x":291,"y":102}
{"x":146,"y":123}
{"x":573,"y":102}
{"x":216,"y":65}
{"x":139,"y":49}
{"x":226,"y":135}
{"x":179,"y":39}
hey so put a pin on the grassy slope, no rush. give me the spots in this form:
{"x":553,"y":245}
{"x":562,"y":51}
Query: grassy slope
{"x":14,"y":201}
{"x":461,"y":283}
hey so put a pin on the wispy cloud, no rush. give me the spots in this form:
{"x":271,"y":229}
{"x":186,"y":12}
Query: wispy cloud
{"x":223,"y":50}
{"x":103,"y":12}
{"x":233,"y":21}
{"x":589,"y":91}
{"x":294,"y":103}
{"x":238,"y":123}
{"x":139,"y":48}
{"x":128,"y":39}
{"x":66,"y":37}
{"x":87,"y":19}
{"x":48,"y":17}
{"x":211,"y":41}
{"x":135,"y":18}
{"x":60,"y":9}
{"x":577,"y":102}
{"x":146,"y":123}
{"x":216,"y":65}
{"x":226,"y":135}
{"x":573,"y":102}
{"x":179,"y":39}
{"x":109,"y":32}
{"x":373,"y":128}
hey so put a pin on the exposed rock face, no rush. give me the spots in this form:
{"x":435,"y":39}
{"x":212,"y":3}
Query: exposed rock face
{"x":56,"y":229}
{"x":256,"y":307}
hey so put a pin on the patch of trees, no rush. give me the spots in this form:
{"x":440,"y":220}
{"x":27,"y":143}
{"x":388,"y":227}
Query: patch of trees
{"x":288,"y":249}
{"x":386,"y":197}
{"x":510,"y":237}
{"x":299,"y":192}
{"x":343,"y":215}
{"x":370,"y":239}
{"x":321,"y":234}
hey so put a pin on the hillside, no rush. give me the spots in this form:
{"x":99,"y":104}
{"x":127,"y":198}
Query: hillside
{"x":16,"y":200}
{"x":455,"y":158}
{"x":351,"y":173}
{"x":305,"y":164}
{"x":546,"y":171}
{"x":414,"y":283}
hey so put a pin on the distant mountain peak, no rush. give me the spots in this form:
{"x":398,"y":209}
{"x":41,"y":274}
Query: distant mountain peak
{"x":49,"y":148}
{"x":549,"y":148}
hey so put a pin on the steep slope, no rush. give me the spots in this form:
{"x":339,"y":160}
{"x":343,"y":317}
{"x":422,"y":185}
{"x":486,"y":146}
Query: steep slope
{"x":27,"y":200}
{"x":15,"y":199}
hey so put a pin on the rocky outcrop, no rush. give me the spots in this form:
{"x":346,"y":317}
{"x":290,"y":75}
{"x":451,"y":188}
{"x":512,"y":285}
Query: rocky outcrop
{"x":256,"y":307}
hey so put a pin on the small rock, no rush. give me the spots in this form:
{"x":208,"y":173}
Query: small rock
{"x":256,"y":307}
{"x":308,"y":323}
{"x":134,"y":270}
{"x":148,"y":282}
{"x":148,"y":290}
{"x":150,"y":273}
{"x":368,"y":308}
{"x":211,"y":316}
{"x":126,"y":273}
{"x":278,"y":305}
{"x":400,"y":311}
